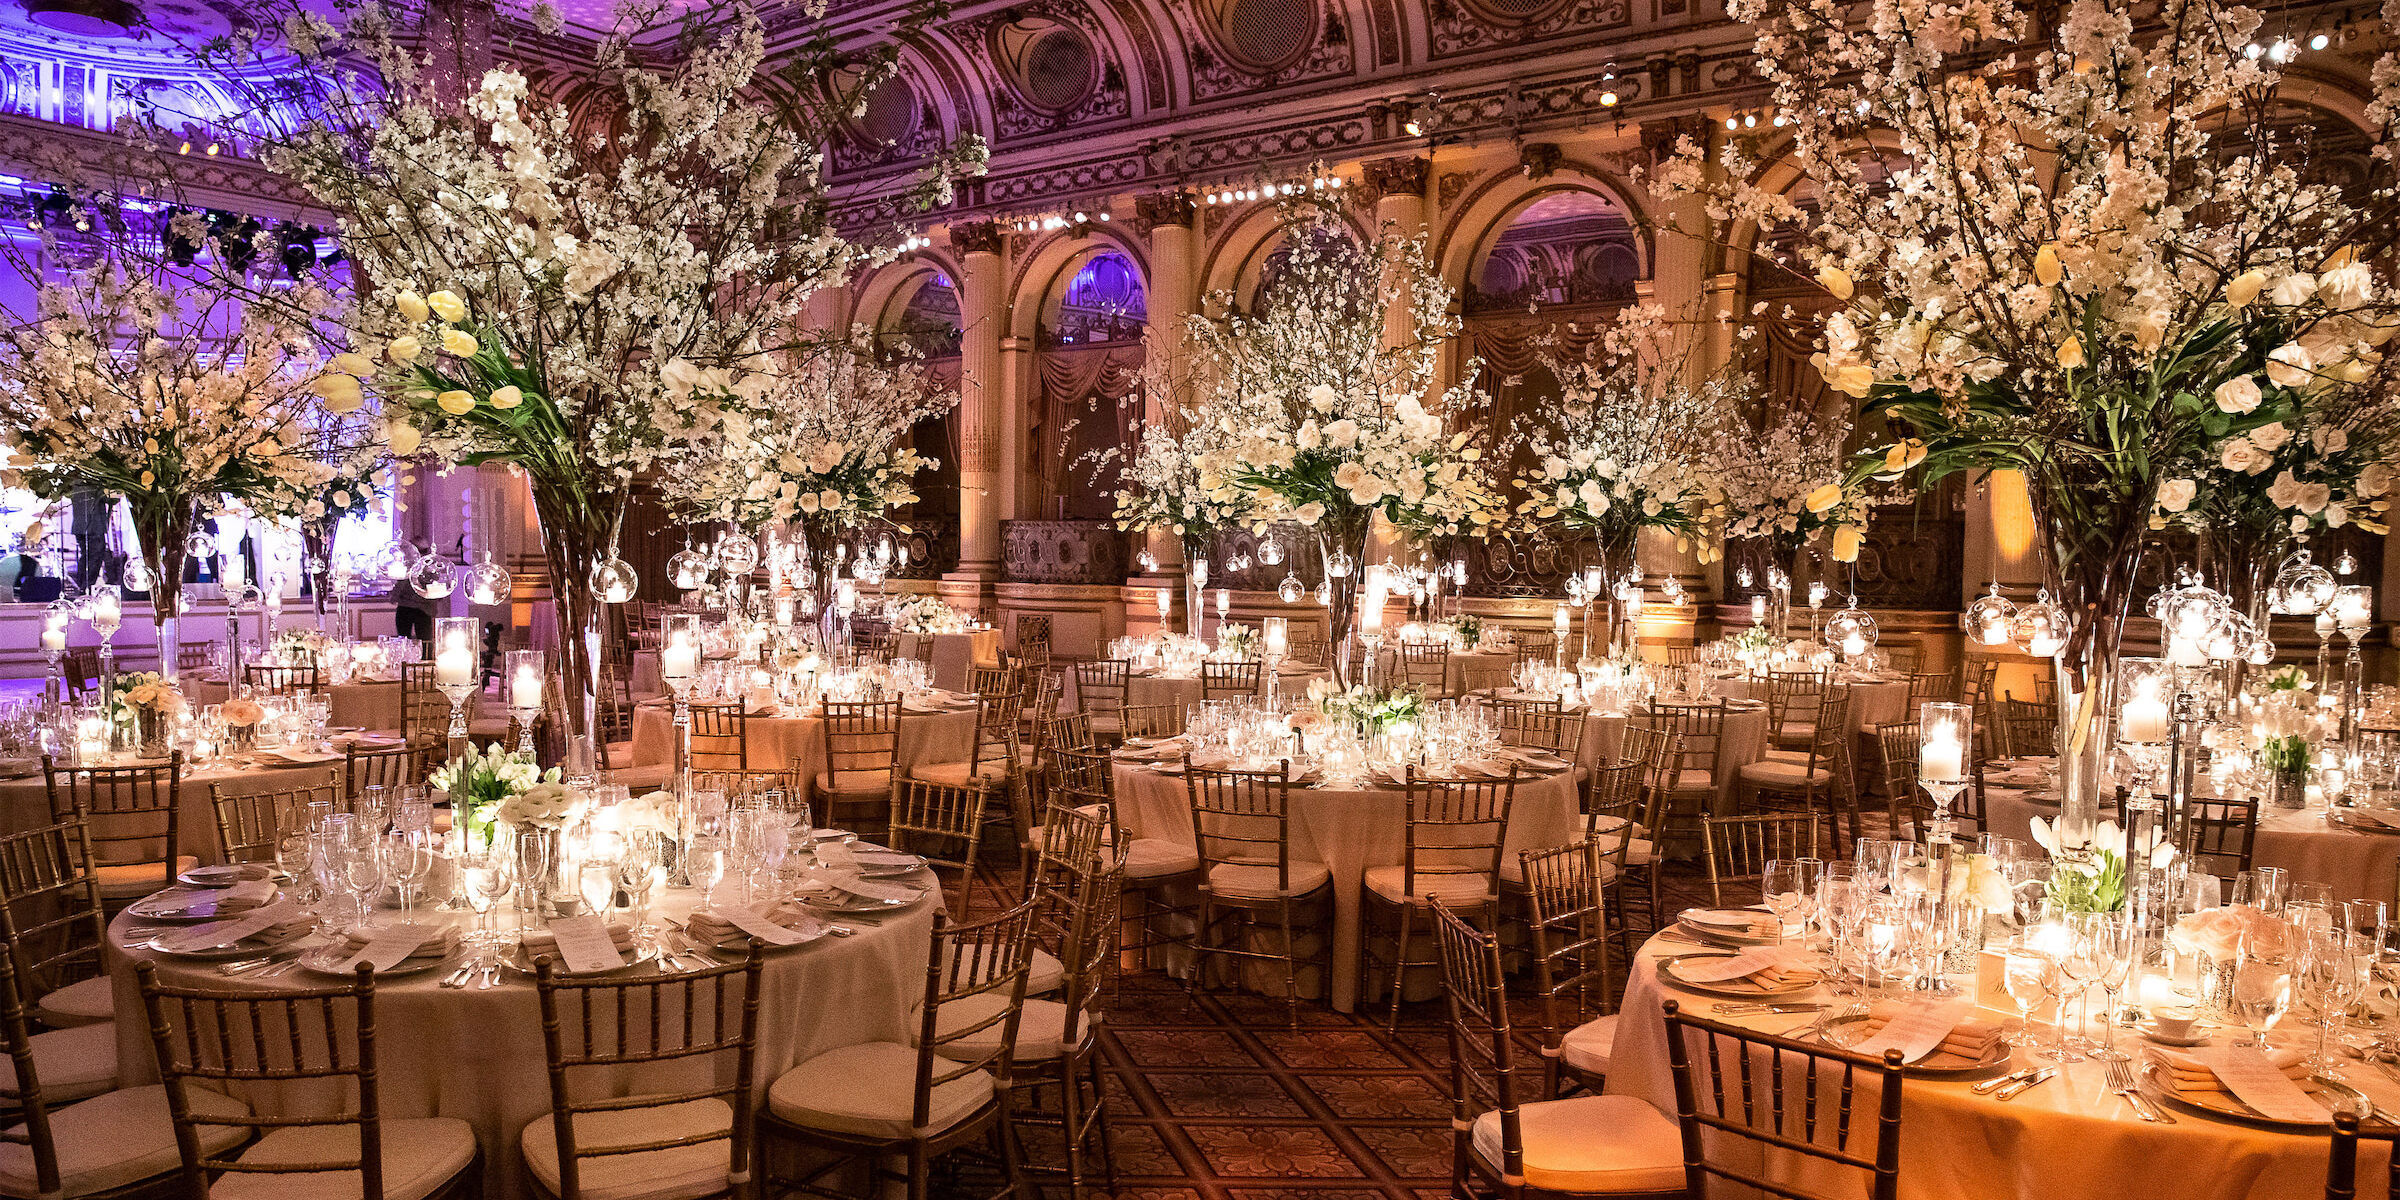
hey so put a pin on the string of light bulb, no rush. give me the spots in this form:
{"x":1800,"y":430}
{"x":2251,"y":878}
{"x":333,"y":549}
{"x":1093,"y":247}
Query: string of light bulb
{"x":1272,"y":190}
{"x":1045,"y":222}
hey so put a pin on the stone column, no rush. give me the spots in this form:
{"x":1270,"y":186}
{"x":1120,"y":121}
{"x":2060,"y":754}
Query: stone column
{"x":1681,"y":262}
{"x":982,"y":398}
{"x":1169,"y":219}
{"x":1397,"y":187}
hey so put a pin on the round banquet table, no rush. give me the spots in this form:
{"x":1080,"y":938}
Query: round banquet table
{"x":1880,"y":698}
{"x":25,"y":800}
{"x":1183,"y":691}
{"x":361,"y":704}
{"x":1473,"y":669}
{"x":779,"y":743}
{"x":2066,"y":1139}
{"x":951,"y":653}
{"x":2359,"y":863}
{"x":1741,"y":740}
{"x":1349,"y":832}
{"x":477,"y":1055}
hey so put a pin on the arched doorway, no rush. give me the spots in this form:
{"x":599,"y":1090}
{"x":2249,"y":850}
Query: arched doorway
{"x":921,"y":316}
{"x":1089,"y":372}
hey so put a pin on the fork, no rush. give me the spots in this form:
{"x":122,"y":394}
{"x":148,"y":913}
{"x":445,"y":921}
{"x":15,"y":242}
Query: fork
{"x":2120,"y":1081}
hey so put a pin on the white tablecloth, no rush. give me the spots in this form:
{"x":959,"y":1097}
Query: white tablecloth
{"x":25,"y":801}
{"x":951,"y":654}
{"x":367,"y":704}
{"x":477,"y":1055}
{"x":780,"y":743}
{"x":2359,"y":864}
{"x":1348,"y":831}
{"x":2068,"y":1139}
{"x":1183,"y":691}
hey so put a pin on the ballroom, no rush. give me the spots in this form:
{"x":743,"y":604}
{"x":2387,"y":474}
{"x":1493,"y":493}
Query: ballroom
{"x":1198,"y":599}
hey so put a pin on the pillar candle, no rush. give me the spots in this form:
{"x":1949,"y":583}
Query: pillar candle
{"x":525,"y":687}
{"x":679,"y":658}
{"x":2145,"y":717}
{"x":455,"y":665}
{"x":1942,"y":758}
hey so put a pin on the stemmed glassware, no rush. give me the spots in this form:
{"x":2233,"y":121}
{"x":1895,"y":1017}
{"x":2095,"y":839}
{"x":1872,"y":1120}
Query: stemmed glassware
{"x":362,"y":870}
{"x":1788,"y":885}
{"x":2028,"y":972}
{"x":407,"y":856}
{"x":2112,"y":944}
{"x":486,"y":877}
{"x":596,"y":875}
{"x":2262,"y":976}
{"x":640,"y":866}
{"x":2328,"y":980}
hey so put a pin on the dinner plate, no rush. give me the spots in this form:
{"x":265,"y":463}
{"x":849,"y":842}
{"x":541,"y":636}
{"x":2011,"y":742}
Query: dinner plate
{"x":2364,"y":820}
{"x":835,"y":900}
{"x":1739,"y":920}
{"x":173,"y":907}
{"x":328,"y":960}
{"x":2158,"y":1084}
{"x":891,"y":870}
{"x":1734,"y":989}
{"x":1727,"y":938}
{"x":228,"y":874}
{"x":248,"y":947}
{"x":513,"y":957}
{"x":2197,"y":1036}
{"x":1848,"y":1031}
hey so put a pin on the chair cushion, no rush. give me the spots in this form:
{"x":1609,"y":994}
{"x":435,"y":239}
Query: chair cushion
{"x":958,"y":774}
{"x":671,"y":1174}
{"x":1589,"y":1046}
{"x":420,"y":1154}
{"x":1795,"y":731}
{"x":1693,"y":781}
{"x":120,"y":880}
{"x":1103,"y":722}
{"x":869,"y":1090}
{"x":1638,"y":854}
{"x":70,"y":1063}
{"x":83,"y":1002}
{"x":117,"y":1138}
{"x":1391,"y":883}
{"x":1256,"y":881}
{"x":636,"y":779}
{"x":875,"y":784}
{"x":1591,"y":1144}
{"x":1780,"y":773}
{"x":1041,"y":1028}
{"x":1158,"y":858}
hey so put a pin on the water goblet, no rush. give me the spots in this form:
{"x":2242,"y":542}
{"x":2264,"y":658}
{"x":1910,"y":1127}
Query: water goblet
{"x":2262,"y":976}
{"x":485,"y":875}
{"x":2026,"y":973}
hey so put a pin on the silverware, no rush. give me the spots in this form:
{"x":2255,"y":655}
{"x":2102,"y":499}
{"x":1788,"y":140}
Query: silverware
{"x":458,"y":978}
{"x":1731,"y":1010}
{"x":1988,"y":1086}
{"x":491,"y":976}
{"x":2120,"y":1081}
{"x":2014,"y":1090}
{"x":839,"y":931}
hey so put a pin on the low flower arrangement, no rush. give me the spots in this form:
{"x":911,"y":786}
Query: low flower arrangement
{"x":1237,"y":642}
{"x":143,"y":690}
{"x":1370,"y":710}
{"x":2090,"y":876}
{"x":923,"y":614}
{"x":500,"y":787}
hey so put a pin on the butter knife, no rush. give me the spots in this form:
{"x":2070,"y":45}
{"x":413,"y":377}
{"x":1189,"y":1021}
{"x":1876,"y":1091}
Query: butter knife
{"x":1988,"y":1086}
{"x":2016,"y":1089}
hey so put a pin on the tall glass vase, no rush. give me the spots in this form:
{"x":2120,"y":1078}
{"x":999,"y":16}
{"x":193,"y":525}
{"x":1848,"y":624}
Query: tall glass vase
{"x":576,"y":525}
{"x":2091,"y":562}
{"x":1342,"y":539}
{"x":163,"y":526}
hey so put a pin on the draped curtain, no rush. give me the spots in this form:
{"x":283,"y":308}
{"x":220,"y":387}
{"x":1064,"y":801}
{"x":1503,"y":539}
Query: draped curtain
{"x":1082,"y":411}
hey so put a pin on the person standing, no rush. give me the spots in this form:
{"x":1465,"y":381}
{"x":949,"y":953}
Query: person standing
{"x":412,"y":613}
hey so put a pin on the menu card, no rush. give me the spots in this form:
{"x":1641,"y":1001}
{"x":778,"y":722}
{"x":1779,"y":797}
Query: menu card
{"x":390,"y":945}
{"x":1748,"y":962}
{"x":585,"y":945}
{"x":2253,"y":1080}
{"x":1918,"y":1028}
{"x":865,"y":889}
{"x":226,"y":933}
{"x":750,"y":920}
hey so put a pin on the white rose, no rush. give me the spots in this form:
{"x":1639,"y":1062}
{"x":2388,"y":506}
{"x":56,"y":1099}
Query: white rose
{"x":2375,"y":480}
{"x":1309,"y":437}
{"x":2175,"y":495}
{"x":2272,"y":435}
{"x":2290,"y":365}
{"x":1323,"y":397}
{"x":2293,"y":289}
{"x":1594,"y":497}
{"x":2240,"y":455}
{"x":1342,"y":434}
{"x":2237,"y":395}
{"x":2347,"y":286}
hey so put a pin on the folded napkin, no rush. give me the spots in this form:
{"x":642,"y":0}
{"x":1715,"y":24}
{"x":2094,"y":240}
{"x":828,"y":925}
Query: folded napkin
{"x":1787,"y":975}
{"x":2190,"y":1074}
{"x":234,"y":875}
{"x":248,"y":894}
{"x":211,"y":936}
{"x":713,"y":928}
{"x":1972,"y":1038}
{"x":542,"y":941}
{"x":864,"y":889}
{"x":437,"y":944}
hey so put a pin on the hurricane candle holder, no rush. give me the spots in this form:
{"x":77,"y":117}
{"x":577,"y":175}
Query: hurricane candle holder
{"x":1275,"y":643}
{"x":679,"y":668}
{"x":1945,"y":745}
{"x":1561,"y":624}
{"x":2353,"y":614}
{"x":54,"y":652}
{"x":1370,"y":632}
{"x":526,"y":674}
{"x":107,"y":614}
{"x":454,"y":672}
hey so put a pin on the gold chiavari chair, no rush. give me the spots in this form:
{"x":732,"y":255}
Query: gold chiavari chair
{"x":1424,"y":666}
{"x":992,"y":757}
{"x":1069,"y":731}
{"x":1540,"y":725}
{"x":82,"y":670}
{"x":1924,"y":686}
{"x":1222,"y":680}
{"x":1790,"y":1124}
{"x":1793,"y":698}
{"x":391,"y":767}
{"x":603,"y":1028}
{"x":1910,"y":809}
{"x":1901,"y":656}
{"x":1307,"y":643}
{"x":1058,"y":1048}
{"x":2224,"y":835}
{"x":251,"y":825}
{"x":880,"y":1101}
{"x":1033,"y":640}
{"x":1101,"y":690}
{"x":133,"y":819}
{"x":1739,"y":848}
{"x":1670,"y":654}
{"x":50,"y":901}
{"x":1535,"y":646}
{"x":424,"y":711}
{"x":1249,"y":879}
{"x":283,"y":681}
{"x":862,"y":753}
{"x":1810,"y":781}
{"x":1692,"y":786}
{"x":1661,"y":747}
{"x":784,"y":788}
{"x":1513,"y":1148}
{"x":942,"y":823}
{"x":1154,"y":869}
{"x":1451,"y":851}
{"x":1152,"y":720}
{"x":2341,"y":1164}
{"x":192,"y":656}
{"x":2028,"y":727}
{"x":720,"y":737}
{"x":1566,"y":891}
{"x":212,"y":1043}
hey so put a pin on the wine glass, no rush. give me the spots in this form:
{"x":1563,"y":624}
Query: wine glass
{"x":2369,"y":922}
{"x":707,"y":866}
{"x":362,"y":870}
{"x":485,"y":874}
{"x":1786,"y":885}
{"x":2115,"y":945}
{"x":407,"y":860}
{"x":2328,"y":980}
{"x":2263,"y":888}
{"x":2026,"y":973}
{"x":640,"y":865}
{"x":2262,"y":976}
{"x":2081,"y":966}
{"x":292,"y":854}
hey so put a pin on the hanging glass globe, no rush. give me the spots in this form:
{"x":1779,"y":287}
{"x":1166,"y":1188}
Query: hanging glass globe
{"x":1147,"y":561}
{"x":613,"y":580}
{"x":202,"y":544}
{"x":737,"y":554}
{"x":2346,"y":565}
{"x":1290,"y":590}
{"x":488,"y":582}
{"x":1270,"y":552}
{"x":2301,"y":587}
{"x":432,"y":577}
{"x":392,"y":563}
{"x":61,"y":612}
{"x":688,"y":569}
{"x":137,"y":575}
{"x":808,"y":606}
{"x":250,"y":598}
{"x":1325,"y":594}
{"x":2041,"y":627}
{"x":1989,"y":617}
{"x":1851,"y":631}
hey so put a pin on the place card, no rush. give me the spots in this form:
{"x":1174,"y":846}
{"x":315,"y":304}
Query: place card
{"x":390,"y":946}
{"x":750,"y":920}
{"x":865,"y":889}
{"x":1748,"y":962}
{"x":2254,"y":1081}
{"x":225,"y":933}
{"x":1918,"y":1029}
{"x":585,"y":944}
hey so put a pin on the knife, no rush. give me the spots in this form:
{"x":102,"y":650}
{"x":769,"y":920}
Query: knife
{"x":2013,"y":1090}
{"x":1988,"y":1086}
{"x":1730,"y":1010}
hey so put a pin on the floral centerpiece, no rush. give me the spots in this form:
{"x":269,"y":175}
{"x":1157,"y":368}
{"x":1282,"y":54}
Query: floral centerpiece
{"x":923,"y":615}
{"x":2088,"y":872}
{"x":1369,"y":710}
{"x":1782,"y":483}
{"x":2053,"y":269}
{"x":299,"y":647}
{"x":1236,"y":642}
{"x":496,"y":787}
{"x":2285,"y":724}
{"x":1159,"y":487}
{"x":1323,"y":416}
{"x":2214,"y":937}
{"x":146,"y":700}
{"x":523,"y":306}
